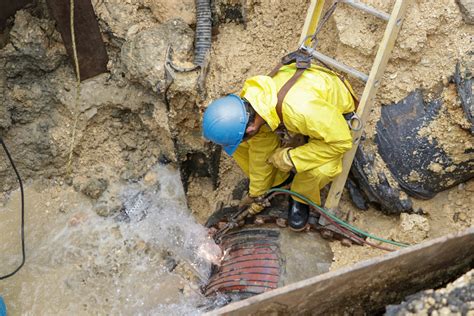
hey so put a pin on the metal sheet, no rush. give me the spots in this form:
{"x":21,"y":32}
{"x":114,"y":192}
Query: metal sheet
{"x":90,"y":47}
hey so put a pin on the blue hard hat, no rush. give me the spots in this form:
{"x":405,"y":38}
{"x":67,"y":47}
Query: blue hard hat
{"x":225,"y":121}
{"x":3,"y":308}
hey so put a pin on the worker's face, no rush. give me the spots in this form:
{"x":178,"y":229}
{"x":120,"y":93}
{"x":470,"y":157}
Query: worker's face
{"x":253,"y":127}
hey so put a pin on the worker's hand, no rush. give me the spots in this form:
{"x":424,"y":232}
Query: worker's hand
{"x":281,"y":159}
{"x":255,"y":204}
{"x":246,"y":201}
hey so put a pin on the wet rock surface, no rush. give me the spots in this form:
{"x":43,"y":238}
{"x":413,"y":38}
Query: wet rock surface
{"x":456,"y":298}
{"x":144,"y":53}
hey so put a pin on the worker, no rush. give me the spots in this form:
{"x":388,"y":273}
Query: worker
{"x":266,"y":147}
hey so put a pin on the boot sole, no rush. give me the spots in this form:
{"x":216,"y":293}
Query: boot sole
{"x":299,"y":229}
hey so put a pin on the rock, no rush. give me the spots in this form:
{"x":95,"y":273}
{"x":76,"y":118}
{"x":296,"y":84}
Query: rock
{"x":467,"y":10}
{"x":413,"y":228}
{"x":167,"y":10}
{"x":143,"y":54}
{"x":454,"y":299}
{"x":35,"y":45}
{"x":151,"y":178}
{"x":95,"y":187}
{"x":116,"y":17}
{"x":107,"y":208}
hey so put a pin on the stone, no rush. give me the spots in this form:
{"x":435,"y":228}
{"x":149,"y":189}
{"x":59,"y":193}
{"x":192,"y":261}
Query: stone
{"x":144,"y":53}
{"x":167,"y":10}
{"x":467,"y":10}
{"x":95,"y":187}
{"x":35,"y":45}
{"x":117,"y":17}
{"x":413,"y":228}
{"x":107,"y":208}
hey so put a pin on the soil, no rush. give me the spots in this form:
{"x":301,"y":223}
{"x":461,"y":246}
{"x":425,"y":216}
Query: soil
{"x":132,"y":117}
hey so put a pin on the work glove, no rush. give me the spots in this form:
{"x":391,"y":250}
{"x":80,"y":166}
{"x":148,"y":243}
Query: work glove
{"x":255,"y":204}
{"x":255,"y":208}
{"x":246,"y":201}
{"x":281,"y":159}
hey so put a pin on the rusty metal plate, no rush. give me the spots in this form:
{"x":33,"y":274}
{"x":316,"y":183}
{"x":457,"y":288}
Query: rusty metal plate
{"x":90,"y":47}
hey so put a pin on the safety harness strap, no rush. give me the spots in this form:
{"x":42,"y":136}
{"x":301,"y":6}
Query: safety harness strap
{"x":303,"y":62}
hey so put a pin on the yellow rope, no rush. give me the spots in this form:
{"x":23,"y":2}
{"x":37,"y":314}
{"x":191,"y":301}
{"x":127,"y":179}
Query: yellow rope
{"x":78,"y":87}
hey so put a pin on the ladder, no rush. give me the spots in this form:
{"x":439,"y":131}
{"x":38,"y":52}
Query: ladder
{"x":372,"y":81}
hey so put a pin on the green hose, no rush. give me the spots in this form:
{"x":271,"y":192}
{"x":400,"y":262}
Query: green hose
{"x":336,"y":219}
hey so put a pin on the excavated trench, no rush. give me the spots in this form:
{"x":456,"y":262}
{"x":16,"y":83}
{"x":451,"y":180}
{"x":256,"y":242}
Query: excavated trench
{"x":124,"y":232}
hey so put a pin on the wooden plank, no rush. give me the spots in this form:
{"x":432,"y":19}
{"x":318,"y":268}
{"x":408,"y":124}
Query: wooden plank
{"x":367,"y":287}
{"x":8,"y":8}
{"x":312,"y":18}
{"x":368,"y":96}
{"x":90,"y":47}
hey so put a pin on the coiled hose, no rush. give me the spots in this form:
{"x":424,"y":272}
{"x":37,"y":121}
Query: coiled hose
{"x":203,"y":31}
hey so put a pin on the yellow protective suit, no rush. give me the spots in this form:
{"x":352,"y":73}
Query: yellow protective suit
{"x":313,"y":107}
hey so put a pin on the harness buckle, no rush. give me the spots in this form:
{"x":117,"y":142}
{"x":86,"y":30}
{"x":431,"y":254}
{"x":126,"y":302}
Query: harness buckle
{"x":354,"y":121}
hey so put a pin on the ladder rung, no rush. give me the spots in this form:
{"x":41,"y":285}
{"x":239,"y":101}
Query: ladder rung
{"x":359,"y":5}
{"x":339,"y":66}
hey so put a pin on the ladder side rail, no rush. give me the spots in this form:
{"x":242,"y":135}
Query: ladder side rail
{"x":368,"y":97}
{"x":312,"y":19}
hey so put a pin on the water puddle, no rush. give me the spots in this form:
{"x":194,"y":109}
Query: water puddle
{"x":151,"y":260}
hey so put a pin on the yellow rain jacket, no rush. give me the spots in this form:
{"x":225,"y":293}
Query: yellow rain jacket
{"x":313,"y":107}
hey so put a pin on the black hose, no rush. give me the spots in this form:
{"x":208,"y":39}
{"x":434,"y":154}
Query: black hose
{"x":22,"y":213}
{"x":203,"y":31}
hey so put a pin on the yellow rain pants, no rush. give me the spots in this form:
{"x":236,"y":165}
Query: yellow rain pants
{"x":313,"y":107}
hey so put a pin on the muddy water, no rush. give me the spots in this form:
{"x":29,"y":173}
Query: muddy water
{"x":149,"y":262}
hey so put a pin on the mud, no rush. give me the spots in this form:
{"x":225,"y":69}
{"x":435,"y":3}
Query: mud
{"x":84,"y":264}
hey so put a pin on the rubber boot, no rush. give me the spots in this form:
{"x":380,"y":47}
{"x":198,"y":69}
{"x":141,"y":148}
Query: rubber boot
{"x":298,"y":215}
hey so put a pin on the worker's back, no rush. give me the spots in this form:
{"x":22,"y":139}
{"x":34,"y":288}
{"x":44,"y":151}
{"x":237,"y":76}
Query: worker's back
{"x":315,"y":83}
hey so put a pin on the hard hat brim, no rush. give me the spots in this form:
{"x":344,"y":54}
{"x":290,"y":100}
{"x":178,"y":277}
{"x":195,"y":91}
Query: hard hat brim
{"x":231,"y":148}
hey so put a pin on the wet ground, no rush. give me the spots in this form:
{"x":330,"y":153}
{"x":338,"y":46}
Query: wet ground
{"x":80,"y":263}
{"x":151,"y":258}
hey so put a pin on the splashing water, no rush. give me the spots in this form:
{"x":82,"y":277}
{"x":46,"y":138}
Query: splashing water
{"x":80,"y":263}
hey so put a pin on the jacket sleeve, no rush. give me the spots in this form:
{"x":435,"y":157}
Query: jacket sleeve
{"x":329,"y":138}
{"x":262,"y":173}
